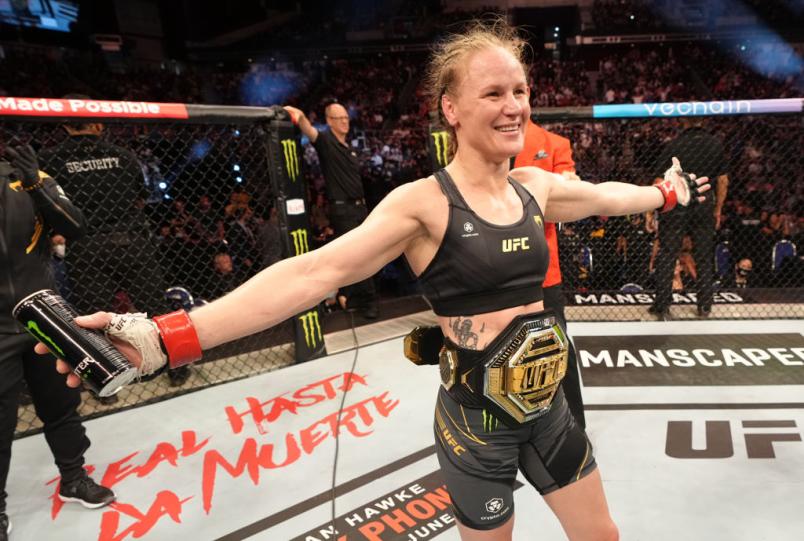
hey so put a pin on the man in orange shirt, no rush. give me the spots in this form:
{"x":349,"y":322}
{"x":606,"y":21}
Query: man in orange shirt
{"x":553,"y":153}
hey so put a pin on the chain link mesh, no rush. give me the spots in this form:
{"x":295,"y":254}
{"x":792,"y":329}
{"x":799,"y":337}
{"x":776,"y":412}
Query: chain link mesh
{"x":609,"y":264}
{"x":187,"y":220}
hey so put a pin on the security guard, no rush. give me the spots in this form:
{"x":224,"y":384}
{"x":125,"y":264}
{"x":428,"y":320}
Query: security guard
{"x":31,"y":205}
{"x":105,"y":181}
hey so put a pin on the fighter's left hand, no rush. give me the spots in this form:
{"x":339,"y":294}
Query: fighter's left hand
{"x":688,"y":187}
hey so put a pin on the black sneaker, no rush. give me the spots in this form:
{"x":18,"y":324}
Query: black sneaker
{"x":86,"y":492}
{"x":5,"y":527}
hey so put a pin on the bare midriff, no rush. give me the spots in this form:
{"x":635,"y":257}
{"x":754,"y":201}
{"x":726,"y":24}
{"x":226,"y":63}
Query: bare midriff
{"x":479,"y":330}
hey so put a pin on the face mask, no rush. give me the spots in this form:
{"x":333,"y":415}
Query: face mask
{"x":743,"y":272}
{"x":60,"y":250}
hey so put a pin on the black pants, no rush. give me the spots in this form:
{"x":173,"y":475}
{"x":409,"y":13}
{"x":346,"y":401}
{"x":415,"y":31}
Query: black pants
{"x":345,"y":217}
{"x":554,"y":300}
{"x":101,"y":265}
{"x":699,"y":222}
{"x":55,"y":404}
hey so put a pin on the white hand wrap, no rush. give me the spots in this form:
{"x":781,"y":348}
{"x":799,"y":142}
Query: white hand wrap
{"x":674,"y":175}
{"x":143,"y":335}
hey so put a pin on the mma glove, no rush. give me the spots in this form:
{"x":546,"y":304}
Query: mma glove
{"x":678,"y":187}
{"x":24,"y":160}
{"x":164,"y":340}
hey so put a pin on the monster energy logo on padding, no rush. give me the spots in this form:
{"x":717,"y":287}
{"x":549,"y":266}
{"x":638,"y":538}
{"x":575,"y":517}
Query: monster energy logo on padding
{"x":312,"y":328}
{"x":441,"y":144}
{"x":300,"y":241}
{"x":291,"y":158}
{"x":490,"y":422}
{"x":34,"y":329}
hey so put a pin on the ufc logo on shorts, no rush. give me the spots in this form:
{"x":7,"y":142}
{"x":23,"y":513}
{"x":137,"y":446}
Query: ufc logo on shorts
{"x":300,"y":241}
{"x":291,"y":158}
{"x":517,"y":244}
{"x":312,"y":328}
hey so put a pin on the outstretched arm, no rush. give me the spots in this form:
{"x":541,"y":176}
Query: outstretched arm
{"x":570,"y":201}
{"x":300,"y":119}
{"x":297,"y":283}
{"x":275,"y":294}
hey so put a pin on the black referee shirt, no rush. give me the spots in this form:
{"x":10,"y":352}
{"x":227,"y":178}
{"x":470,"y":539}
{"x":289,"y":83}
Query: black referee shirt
{"x":699,"y":152}
{"x":340,"y":166}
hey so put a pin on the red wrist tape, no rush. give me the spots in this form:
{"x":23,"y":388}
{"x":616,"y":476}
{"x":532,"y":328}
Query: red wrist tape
{"x":179,"y":337}
{"x":669,"y":193}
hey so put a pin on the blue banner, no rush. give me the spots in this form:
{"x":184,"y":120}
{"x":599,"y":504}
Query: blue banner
{"x":698,"y":108}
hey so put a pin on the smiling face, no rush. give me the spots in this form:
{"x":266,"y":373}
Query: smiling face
{"x":489,"y":106}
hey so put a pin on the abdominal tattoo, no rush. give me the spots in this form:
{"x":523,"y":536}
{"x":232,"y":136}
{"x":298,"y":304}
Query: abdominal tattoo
{"x":462,"y":329}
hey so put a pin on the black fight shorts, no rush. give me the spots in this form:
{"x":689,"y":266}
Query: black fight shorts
{"x":479,"y":457}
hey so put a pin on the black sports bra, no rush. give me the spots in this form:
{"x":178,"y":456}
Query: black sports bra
{"x":482,"y":267}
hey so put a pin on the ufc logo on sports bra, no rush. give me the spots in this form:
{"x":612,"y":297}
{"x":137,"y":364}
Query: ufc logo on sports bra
{"x":516,"y":244}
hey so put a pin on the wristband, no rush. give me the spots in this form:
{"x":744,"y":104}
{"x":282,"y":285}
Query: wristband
{"x":668,"y":190}
{"x":180,"y":340}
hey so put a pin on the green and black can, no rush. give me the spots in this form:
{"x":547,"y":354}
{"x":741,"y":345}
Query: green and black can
{"x":51,"y":320}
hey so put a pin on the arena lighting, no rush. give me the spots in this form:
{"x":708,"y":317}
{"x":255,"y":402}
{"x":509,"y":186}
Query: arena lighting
{"x":239,"y":179}
{"x":632,"y":17}
{"x":163,"y":185}
{"x":166,"y":196}
{"x":237,"y":133}
{"x":556,"y":29}
{"x":236,"y":167}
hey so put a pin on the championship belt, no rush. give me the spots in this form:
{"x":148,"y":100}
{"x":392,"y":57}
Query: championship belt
{"x":422,"y":344}
{"x":517,"y":376}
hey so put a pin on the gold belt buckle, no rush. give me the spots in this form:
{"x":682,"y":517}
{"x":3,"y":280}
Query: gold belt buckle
{"x":523,"y":377}
{"x":535,"y":383}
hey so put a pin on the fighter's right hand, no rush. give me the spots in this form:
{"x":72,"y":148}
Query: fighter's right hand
{"x":136,"y":336}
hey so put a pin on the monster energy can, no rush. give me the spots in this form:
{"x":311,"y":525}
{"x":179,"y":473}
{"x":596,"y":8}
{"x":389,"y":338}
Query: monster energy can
{"x":50,"y":319}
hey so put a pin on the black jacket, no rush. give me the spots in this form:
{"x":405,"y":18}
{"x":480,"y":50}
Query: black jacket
{"x":103,"y":179}
{"x":27,"y":219}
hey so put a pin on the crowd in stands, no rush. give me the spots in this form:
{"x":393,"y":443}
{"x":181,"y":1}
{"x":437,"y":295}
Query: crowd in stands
{"x":615,"y":17}
{"x":389,"y":114}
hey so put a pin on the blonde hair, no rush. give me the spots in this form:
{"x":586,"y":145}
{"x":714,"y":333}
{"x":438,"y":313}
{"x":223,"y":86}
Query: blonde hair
{"x":443,"y":73}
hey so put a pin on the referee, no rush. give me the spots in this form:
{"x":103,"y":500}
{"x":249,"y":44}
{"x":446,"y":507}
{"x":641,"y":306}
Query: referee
{"x":341,"y":170}
{"x":699,"y":151}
